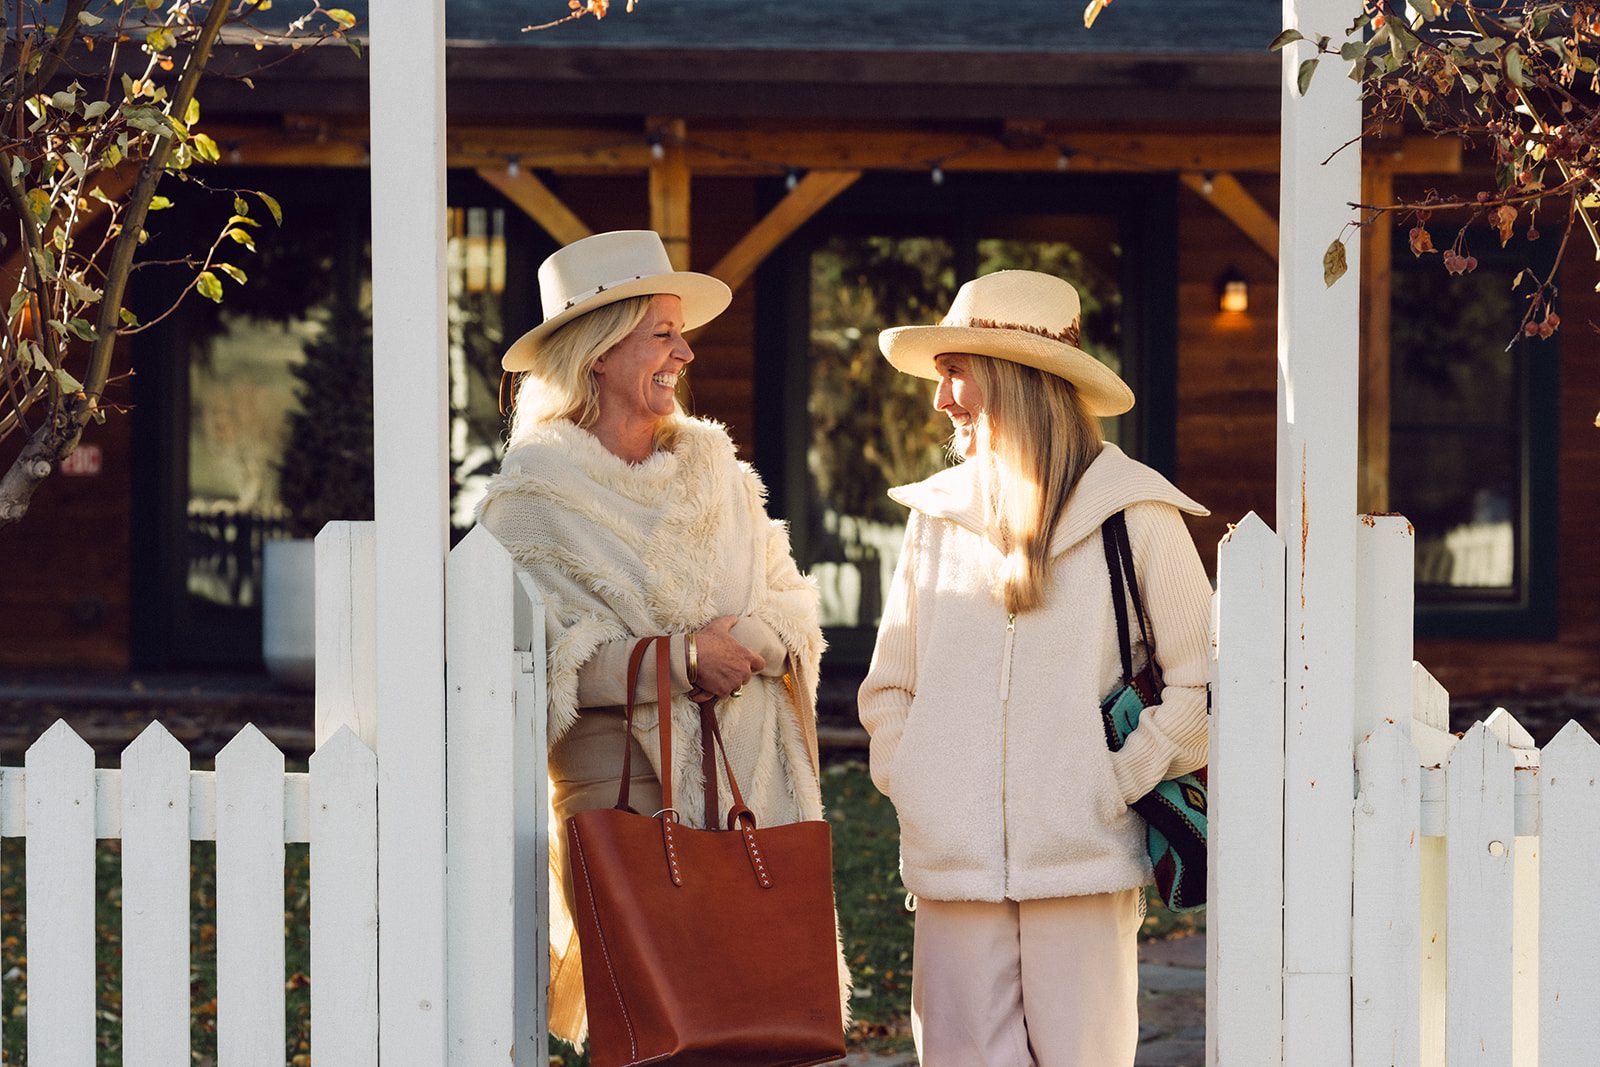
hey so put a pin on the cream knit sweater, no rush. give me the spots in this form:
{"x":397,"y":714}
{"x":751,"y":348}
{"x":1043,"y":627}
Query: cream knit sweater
{"x":987,"y":737}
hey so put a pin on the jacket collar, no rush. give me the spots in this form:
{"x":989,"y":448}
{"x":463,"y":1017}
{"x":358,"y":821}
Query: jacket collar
{"x":1114,"y":481}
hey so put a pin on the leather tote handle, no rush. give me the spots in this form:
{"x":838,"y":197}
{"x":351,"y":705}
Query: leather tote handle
{"x":663,"y":718}
{"x":711,"y":735}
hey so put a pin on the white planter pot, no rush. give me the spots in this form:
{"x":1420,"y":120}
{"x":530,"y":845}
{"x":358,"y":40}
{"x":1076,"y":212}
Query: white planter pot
{"x":288,"y":612}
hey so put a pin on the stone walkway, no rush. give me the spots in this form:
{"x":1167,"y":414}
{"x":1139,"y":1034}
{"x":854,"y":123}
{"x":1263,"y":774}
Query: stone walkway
{"x":1172,"y":1009}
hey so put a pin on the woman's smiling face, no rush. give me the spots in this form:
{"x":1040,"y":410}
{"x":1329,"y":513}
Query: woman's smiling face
{"x":960,"y":398}
{"x":638,"y":378}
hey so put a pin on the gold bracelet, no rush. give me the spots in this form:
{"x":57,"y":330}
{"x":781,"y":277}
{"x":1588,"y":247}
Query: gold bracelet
{"x":691,"y":658}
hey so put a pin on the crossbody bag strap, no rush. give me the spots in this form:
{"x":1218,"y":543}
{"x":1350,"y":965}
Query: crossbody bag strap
{"x":1125,"y":550}
{"x":1119,"y":602}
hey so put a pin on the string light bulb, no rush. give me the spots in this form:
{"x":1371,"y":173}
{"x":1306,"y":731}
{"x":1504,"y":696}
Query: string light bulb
{"x":791,"y":179}
{"x":658,"y":151}
{"x":1207,"y":183}
{"x":1064,"y":160}
{"x":937,"y":174}
{"x":513,"y":167}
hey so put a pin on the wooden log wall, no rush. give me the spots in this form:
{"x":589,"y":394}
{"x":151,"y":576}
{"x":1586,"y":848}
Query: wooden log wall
{"x":1227,"y":369}
{"x":64,"y":597}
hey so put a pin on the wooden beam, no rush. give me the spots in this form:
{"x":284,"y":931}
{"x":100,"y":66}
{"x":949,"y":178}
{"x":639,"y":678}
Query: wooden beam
{"x":1377,"y":248}
{"x":1239,"y":207}
{"x":669,"y":187}
{"x":774,"y":146}
{"x":809,"y":196}
{"x":538,"y":203}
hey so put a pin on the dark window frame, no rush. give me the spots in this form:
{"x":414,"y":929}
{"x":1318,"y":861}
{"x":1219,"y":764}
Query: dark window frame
{"x":1531,"y":612}
{"x":1146,"y":208}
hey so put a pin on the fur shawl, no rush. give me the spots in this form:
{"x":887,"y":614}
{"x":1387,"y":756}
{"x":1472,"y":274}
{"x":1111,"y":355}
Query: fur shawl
{"x":629,"y":550}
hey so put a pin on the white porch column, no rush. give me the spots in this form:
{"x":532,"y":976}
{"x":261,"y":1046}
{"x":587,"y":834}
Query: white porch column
{"x":410,"y":443}
{"x":1318,"y":360}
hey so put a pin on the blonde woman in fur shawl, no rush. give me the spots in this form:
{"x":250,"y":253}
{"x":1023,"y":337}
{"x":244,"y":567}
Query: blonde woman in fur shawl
{"x":637,"y":520}
{"x":998,"y":642}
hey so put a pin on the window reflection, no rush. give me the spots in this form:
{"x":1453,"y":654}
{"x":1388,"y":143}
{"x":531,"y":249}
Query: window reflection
{"x":1456,"y":440}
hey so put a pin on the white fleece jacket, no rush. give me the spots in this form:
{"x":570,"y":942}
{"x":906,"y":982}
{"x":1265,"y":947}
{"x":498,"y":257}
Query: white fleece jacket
{"x":988,"y":738}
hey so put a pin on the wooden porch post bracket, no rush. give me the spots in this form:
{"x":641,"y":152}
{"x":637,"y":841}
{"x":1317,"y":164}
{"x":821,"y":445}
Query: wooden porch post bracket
{"x":538,"y":203}
{"x":1238,"y":207}
{"x":669,"y":187}
{"x":809,"y":196}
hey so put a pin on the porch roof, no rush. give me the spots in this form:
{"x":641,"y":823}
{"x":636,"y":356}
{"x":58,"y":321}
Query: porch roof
{"x":1127,"y":27}
{"x":1146,"y":61}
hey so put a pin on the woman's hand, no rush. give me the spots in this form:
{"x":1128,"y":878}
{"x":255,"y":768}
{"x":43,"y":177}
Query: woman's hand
{"x":724,"y":663}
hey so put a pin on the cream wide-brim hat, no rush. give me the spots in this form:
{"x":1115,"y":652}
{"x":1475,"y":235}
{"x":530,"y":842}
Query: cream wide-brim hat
{"x":1018,"y":315}
{"x":608,"y":267}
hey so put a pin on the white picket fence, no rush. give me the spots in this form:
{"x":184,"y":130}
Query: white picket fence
{"x":1476,"y":859}
{"x":157,"y":805}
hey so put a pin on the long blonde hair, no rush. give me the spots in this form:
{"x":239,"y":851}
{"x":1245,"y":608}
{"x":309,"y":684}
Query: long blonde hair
{"x":561,"y":383}
{"x":1035,"y":440}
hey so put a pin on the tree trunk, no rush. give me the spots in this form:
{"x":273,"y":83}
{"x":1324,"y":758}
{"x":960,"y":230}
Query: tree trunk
{"x":49,"y":445}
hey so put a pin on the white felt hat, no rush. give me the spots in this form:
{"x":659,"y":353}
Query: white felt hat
{"x":604,"y":269}
{"x":1020,"y":315}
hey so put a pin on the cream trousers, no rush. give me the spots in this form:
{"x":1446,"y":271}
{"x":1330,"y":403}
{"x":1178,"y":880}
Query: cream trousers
{"x":1052,"y":983}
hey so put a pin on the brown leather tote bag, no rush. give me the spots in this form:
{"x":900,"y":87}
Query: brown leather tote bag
{"x":703,"y":947}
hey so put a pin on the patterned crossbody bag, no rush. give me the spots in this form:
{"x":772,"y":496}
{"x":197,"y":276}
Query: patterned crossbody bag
{"x":1175,"y":810}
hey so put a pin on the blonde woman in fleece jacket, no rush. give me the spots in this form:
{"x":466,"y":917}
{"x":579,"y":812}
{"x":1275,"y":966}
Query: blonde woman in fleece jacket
{"x":997,"y":644}
{"x":637,"y":520}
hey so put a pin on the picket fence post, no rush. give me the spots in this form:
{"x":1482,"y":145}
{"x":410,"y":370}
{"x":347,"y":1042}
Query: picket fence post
{"x":251,"y":1026}
{"x":60,"y":898}
{"x":1385,"y":956}
{"x":410,"y":437}
{"x":347,"y":631}
{"x":1245,"y":813}
{"x":1479,"y":842}
{"x":1318,"y":361}
{"x":1385,"y":603}
{"x":344,"y":902}
{"x":1569,"y":829}
{"x":497,"y":960}
{"x":155,"y":899}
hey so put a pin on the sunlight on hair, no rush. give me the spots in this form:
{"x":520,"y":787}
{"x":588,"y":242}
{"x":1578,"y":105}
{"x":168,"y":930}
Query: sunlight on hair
{"x":1035,"y":440}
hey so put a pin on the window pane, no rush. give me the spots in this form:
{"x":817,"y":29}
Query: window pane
{"x":1460,"y":491}
{"x":1456,"y":441}
{"x":241,"y":390}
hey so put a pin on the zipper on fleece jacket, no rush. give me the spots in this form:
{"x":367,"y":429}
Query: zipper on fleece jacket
{"x":1005,"y":730}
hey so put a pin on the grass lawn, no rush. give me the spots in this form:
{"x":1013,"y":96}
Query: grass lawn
{"x":872,"y":914}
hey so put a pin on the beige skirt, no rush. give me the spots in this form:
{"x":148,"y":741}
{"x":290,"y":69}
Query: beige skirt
{"x":585,"y":766}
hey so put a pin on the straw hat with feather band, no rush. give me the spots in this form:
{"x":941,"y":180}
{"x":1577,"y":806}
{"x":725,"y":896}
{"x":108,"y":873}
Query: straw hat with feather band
{"x":1019,"y":315}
